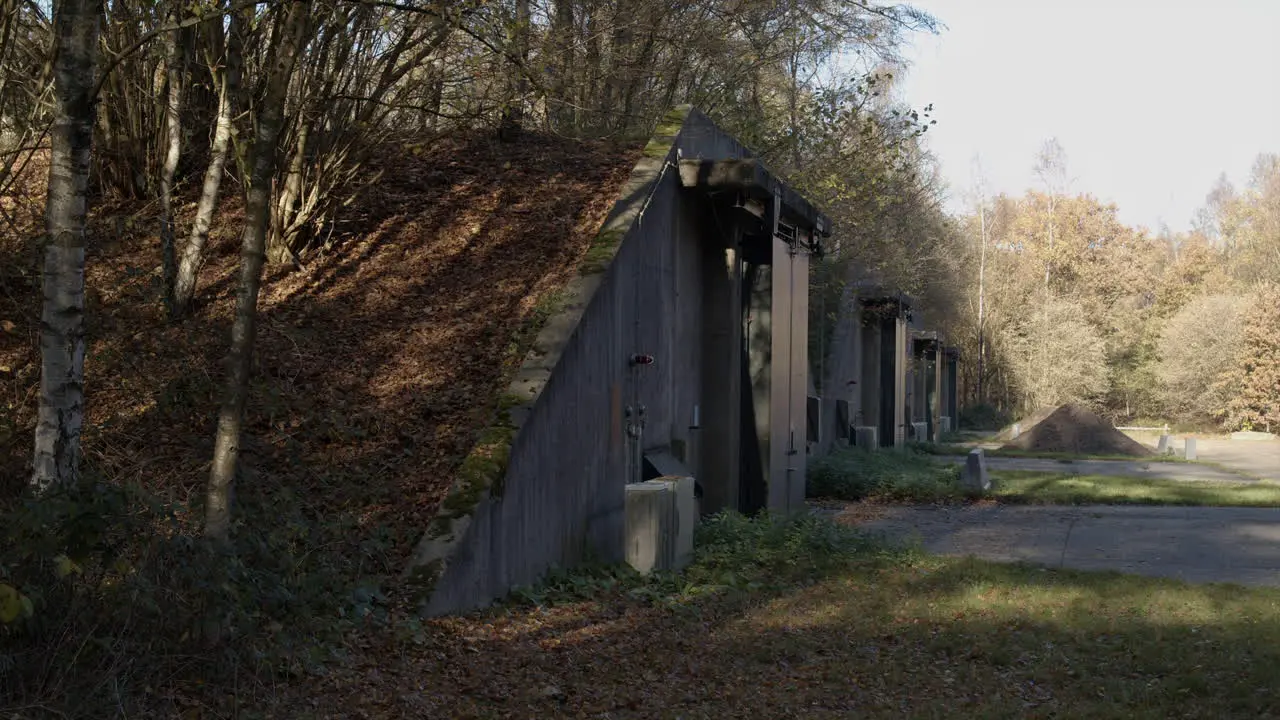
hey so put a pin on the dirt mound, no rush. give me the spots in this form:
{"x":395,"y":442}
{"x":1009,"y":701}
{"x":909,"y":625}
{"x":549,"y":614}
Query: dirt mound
{"x":1073,"y":429}
{"x":1025,"y":424}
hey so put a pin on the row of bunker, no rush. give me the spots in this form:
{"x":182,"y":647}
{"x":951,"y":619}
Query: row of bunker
{"x":673,"y":381}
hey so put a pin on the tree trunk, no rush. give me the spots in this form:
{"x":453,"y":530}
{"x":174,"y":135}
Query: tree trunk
{"x":513,"y":115}
{"x":619,"y":47}
{"x":562,"y":32}
{"x":982,"y":303}
{"x":227,"y":80}
{"x":279,"y":242}
{"x":226,"y":450}
{"x":174,"y":72}
{"x":61,"y":410}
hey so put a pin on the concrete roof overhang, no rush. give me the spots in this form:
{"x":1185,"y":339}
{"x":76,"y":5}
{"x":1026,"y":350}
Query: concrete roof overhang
{"x":750,"y":176}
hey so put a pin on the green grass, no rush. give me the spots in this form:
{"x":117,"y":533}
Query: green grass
{"x":911,"y":475}
{"x":818,"y":623}
{"x":955,"y":449}
{"x":917,"y":477}
{"x":1022,"y":486}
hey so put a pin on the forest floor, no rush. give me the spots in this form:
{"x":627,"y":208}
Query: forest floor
{"x":375,"y":365}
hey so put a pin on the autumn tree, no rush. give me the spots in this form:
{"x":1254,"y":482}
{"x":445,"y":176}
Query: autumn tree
{"x":1051,"y":170}
{"x":1254,"y":381}
{"x":1197,"y":346}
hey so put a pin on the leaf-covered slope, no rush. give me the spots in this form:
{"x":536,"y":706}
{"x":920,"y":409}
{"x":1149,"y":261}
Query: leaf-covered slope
{"x":376,"y":364}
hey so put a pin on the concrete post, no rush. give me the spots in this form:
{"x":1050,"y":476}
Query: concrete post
{"x":1191,"y":448}
{"x":936,"y":409}
{"x":974,"y":477}
{"x":900,"y":383}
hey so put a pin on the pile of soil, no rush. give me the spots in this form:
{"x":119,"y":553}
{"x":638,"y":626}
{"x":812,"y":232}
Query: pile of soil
{"x":1073,"y":429}
{"x":1025,"y":424}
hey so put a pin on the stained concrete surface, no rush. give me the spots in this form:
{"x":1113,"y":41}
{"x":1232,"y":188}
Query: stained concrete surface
{"x":1259,"y":458}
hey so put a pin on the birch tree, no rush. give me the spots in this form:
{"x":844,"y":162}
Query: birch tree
{"x":1051,"y":169}
{"x":980,"y":196}
{"x":175,"y":74}
{"x":226,"y":453}
{"x":224,"y":59}
{"x":56,"y":461}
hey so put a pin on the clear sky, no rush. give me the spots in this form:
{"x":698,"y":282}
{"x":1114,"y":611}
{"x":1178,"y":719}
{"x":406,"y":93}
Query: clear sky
{"x":1150,"y":99}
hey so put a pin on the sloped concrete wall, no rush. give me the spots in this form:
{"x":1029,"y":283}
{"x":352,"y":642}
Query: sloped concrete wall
{"x":552,"y":471}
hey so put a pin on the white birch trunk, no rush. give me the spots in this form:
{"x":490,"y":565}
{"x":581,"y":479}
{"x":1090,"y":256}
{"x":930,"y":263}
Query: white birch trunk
{"x":227,"y":79}
{"x":226,"y":452}
{"x":174,"y":71}
{"x":56,"y":460}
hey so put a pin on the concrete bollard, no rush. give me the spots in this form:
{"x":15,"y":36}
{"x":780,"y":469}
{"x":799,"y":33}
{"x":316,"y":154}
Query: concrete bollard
{"x":866,"y":437}
{"x":1164,"y":446}
{"x":974,"y":477}
{"x":1190,"y":448}
{"x":1015,"y":431}
{"x":920,"y":431}
{"x":660,"y":519}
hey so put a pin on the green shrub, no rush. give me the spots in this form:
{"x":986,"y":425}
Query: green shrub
{"x":118,"y":594}
{"x":855,"y":474}
{"x":984,"y":417}
{"x":734,"y":553}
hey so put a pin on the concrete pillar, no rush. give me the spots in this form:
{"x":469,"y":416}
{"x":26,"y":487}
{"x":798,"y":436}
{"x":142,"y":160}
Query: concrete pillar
{"x":718,"y":456}
{"x":900,"y":341}
{"x":798,"y":371}
{"x":935,"y":399}
{"x":869,"y":385}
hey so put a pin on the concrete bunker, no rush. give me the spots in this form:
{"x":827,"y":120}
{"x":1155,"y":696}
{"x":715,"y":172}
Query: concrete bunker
{"x":680,"y":351}
{"x":883,"y":391}
{"x":928,"y":385}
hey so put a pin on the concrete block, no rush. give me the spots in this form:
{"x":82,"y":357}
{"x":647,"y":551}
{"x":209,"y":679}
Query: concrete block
{"x":866,"y":436}
{"x":1015,"y":431}
{"x":661,"y":517}
{"x":920,"y":431}
{"x":650,"y":526}
{"x":974,"y":477}
{"x":945,"y":424}
{"x":686,"y":520}
{"x":1190,"y":449}
{"x":1163,"y":446}
{"x":1252,"y":435}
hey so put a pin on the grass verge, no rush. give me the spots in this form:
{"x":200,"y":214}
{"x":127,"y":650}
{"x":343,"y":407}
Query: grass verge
{"x":907,"y":475}
{"x":955,"y":449}
{"x":919,"y":477}
{"x":1021,"y":486}
{"x":856,"y":633}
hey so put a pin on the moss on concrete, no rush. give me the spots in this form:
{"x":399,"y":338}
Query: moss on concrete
{"x":601,"y":251}
{"x":664,"y":135}
{"x":482,"y":473}
{"x":605,"y":244}
{"x":422,"y":579}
